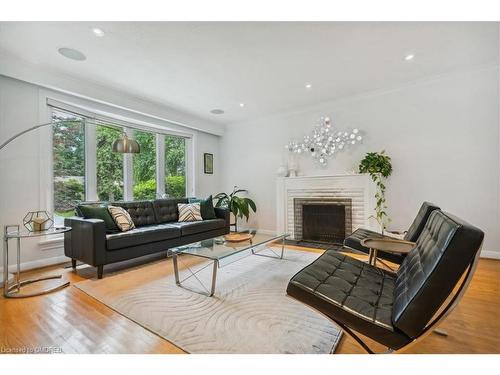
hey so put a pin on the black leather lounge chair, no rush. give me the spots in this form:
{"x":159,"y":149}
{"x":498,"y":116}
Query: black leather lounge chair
{"x":398,"y":309}
{"x":412,"y":234}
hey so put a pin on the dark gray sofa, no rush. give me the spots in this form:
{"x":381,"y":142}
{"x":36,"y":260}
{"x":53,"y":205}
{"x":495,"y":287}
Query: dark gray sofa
{"x":157,"y":230}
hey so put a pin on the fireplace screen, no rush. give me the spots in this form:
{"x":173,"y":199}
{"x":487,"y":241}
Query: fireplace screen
{"x":322,"y":220}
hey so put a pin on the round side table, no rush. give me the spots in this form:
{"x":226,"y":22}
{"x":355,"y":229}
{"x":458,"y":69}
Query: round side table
{"x":386,"y":244}
{"x":13,"y":289}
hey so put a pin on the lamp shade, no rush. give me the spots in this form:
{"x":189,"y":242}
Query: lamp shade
{"x":125,"y":145}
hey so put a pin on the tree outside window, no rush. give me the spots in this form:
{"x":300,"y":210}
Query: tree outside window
{"x":68,"y":139}
{"x":144,"y":166}
{"x":175,"y":166}
{"x":109,"y":165}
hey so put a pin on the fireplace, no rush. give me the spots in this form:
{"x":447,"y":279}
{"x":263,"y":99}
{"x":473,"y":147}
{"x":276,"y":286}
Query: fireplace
{"x":322,"y":220}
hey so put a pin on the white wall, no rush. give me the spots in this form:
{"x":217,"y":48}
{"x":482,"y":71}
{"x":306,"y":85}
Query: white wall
{"x":207,"y":184}
{"x":22,"y":187}
{"x":442,"y":135}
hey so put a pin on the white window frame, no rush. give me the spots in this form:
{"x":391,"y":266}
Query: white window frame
{"x":46,"y":162}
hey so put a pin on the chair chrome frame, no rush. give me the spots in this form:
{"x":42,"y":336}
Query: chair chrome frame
{"x":431,"y":326}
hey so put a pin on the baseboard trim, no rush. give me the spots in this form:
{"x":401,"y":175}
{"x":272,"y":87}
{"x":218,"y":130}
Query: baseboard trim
{"x":39,"y":263}
{"x":490,"y":254}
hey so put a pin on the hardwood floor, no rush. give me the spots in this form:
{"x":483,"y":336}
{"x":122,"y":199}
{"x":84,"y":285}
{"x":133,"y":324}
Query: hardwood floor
{"x":70,"y":321}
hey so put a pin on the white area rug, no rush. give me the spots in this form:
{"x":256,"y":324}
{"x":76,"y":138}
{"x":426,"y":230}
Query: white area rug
{"x":249,"y":313}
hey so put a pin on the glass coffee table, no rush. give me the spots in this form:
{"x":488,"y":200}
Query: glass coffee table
{"x":218,"y":249}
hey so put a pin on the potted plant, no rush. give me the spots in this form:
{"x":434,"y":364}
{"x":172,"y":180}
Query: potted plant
{"x":238,"y":206}
{"x":379,"y":166}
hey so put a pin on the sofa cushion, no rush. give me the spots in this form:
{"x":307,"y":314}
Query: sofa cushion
{"x":192,"y":227}
{"x":141,"y":212}
{"x":141,"y":236}
{"x":166,"y":209}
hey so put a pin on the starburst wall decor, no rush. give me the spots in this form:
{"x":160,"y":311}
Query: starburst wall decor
{"x":324,"y":142}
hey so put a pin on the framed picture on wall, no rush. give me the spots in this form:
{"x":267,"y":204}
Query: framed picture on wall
{"x":208,"y":163}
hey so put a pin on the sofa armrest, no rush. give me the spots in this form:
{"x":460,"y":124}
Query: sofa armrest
{"x":222,"y":213}
{"x":86,"y":241}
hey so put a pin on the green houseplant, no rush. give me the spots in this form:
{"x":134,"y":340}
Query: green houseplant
{"x":239,"y":206}
{"x":379,"y":166}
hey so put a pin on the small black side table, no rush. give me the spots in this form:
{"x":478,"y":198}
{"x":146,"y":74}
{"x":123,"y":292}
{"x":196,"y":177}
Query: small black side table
{"x":13,"y":290}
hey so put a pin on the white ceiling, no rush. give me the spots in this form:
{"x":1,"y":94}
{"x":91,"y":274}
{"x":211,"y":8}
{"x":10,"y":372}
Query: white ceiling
{"x":198,"y":66}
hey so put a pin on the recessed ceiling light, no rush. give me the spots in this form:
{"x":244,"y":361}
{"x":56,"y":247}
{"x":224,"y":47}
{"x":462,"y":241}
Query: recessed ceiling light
{"x":308,"y":85}
{"x":217,"y":111}
{"x":242,"y":105}
{"x":98,"y":32}
{"x":72,"y":54}
{"x":409,"y":57}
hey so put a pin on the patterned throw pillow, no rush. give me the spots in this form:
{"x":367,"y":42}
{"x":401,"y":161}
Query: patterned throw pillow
{"x":189,"y":212}
{"x":206,"y":207}
{"x":121,"y":218}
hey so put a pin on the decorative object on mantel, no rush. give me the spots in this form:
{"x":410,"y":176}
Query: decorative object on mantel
{"x":238,"y":206}
{"x":292,"y":169}
{"x":37,"y":221}
{"x":282,"y":171}
{"x":324,"y":142}
{"x":379,"y":166}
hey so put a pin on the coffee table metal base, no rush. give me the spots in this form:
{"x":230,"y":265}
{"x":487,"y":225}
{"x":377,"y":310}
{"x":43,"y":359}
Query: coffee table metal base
{"x":193,"y":274}
{"x":215,"y":265}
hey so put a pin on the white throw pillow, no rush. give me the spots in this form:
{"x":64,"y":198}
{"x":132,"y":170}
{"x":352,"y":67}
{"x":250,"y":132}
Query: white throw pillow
{"x":122,"y":218}
{"x":189,"y":212}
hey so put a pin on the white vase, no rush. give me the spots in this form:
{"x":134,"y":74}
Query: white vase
{"x":282,"y":171}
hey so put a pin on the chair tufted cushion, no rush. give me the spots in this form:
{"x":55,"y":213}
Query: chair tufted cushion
{"x":354,"y":242}
{"x":427,"y":276}
{"x":141,"y":212}
{"x":352,"y":293}
{"x":166,"y":209}
{"x":418,"y":223}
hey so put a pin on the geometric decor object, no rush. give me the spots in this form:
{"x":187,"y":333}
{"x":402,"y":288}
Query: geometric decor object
{"x":324,"y":142}
{"x":36,"y":221}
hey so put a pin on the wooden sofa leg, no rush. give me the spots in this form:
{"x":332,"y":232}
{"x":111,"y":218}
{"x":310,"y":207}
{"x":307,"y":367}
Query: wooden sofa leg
{"x":73,"y":264}
{"x":100,"y":270}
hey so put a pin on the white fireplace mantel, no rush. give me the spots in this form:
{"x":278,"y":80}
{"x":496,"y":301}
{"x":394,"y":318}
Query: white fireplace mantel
{"x":358,"y":187}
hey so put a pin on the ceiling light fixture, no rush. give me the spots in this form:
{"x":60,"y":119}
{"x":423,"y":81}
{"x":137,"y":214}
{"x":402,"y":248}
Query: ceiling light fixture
{"x":217,"y":111}
{"x":72,"y":54}
{"x":242,"y":105}
{"x":409,"y":57}
{"x":98,"y":32}
{"x":308,"y":86}
{"x":125,"y":145}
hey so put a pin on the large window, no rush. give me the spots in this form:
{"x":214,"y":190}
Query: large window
{"x":175,"y":166}
{"x":86,"y":169}
{"x":68,"y":139}
{"x":145,"y":166}
{"x":109,"y":165}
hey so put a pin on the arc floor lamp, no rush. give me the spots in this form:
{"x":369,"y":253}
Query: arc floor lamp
{"x":122,"y":145}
